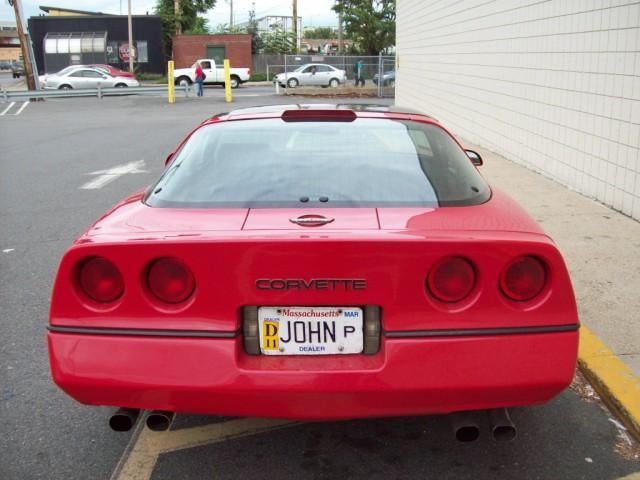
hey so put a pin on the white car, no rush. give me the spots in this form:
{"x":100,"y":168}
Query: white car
{"x":312,"y":74}
{"x":83,"y":77}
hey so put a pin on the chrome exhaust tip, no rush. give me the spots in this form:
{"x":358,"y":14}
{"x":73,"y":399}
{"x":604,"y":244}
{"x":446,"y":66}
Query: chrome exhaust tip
{"x":123,"y":419}
{"x":160,"y":420}
{"x":465,"y":426}
{"x":502,"y":428}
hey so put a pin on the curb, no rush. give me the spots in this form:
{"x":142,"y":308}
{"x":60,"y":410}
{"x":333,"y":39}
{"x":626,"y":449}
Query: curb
{"x":618,"y":386}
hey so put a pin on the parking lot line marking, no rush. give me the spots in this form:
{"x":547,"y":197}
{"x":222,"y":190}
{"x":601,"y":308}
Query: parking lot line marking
{"x":149,"y":445}
{"x":24,"y":105}
{"x":109,"y":175}
{"x":614,"y":381}
{"x":7,"y":109}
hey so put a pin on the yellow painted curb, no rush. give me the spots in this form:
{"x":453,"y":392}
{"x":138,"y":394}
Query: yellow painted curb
{"x":612,"y":379}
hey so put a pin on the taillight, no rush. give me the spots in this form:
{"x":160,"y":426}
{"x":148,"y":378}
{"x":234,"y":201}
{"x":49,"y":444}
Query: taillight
{"x":100,"y":280}
{"x":451,"y":279}
{"x":170,"y":280}
{"x":523,"y":279}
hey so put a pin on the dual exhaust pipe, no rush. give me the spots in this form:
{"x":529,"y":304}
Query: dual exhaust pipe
{"x":466,"y":425}
{"x":123,"y":420}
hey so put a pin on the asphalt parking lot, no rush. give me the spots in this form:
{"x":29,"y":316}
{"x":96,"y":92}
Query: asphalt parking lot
{"x":58,"y":161}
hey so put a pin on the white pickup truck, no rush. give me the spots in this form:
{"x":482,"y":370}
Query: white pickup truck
{"x":214,"y":75}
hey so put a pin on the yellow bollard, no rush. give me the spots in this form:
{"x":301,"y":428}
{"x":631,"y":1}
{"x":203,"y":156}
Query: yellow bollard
{"x":171,"y":86}
{"x":227,"y":81}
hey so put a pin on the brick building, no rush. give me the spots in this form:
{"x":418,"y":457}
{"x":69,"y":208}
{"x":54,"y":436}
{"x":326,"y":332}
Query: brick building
{"x":189,"y":48}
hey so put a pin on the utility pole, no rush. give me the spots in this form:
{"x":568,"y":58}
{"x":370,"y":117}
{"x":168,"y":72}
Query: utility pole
{"x":340,"y":33}
{"x":295,"y":22}
{"x":231,"y":13}
{"x":132,"y":50}
{"x":26,"y":58}
{"x":176,"y":13}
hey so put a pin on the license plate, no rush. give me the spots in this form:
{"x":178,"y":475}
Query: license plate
{"x":310,"y":330}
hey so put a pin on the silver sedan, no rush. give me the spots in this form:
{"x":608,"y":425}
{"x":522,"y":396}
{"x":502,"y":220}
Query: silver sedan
{"x":312,"y":74}
{"x":83,"y":77}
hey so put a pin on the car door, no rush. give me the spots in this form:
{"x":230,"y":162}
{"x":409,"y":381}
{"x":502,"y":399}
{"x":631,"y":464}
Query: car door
{"x":306,"y":77}
{"x":75,"y":79}
{"x":208,"y":71}
{"x":323,"y":74}
{"x":93,"y":77}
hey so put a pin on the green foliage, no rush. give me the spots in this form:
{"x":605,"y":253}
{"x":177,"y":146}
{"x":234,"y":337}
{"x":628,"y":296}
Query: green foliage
{"x":152,"y":77}
{"x":320,"y":33}
{"x":369,"y":23}
{"x":258,"y":77}
{"x":225,"y":28}
{"x":200,"y":27}
{"x":278,"y":41}
{"x":257,"y":44}
{"x":190,"y":21}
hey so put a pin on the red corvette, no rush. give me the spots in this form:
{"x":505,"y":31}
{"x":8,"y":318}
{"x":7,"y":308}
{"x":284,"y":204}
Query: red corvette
{"x":113,"y":71}
{"x":314,"y":262}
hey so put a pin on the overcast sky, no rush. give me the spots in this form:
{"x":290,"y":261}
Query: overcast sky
{"x":313,"y":12}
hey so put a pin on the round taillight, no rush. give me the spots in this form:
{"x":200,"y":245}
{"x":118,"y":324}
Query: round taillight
{"x":451,"y":279}
{"x":523,"y":279}
{"x":100,"y":280}
{"x":170,"y":280}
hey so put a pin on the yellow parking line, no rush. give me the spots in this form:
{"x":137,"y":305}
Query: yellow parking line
{"x":615,"y":382}
{"x":150,"y":445}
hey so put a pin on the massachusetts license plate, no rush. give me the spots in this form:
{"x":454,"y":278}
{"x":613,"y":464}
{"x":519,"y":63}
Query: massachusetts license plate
{"x":310,"y":330}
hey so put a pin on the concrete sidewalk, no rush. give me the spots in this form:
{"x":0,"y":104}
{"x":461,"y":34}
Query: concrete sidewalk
{"x":601,"y":248}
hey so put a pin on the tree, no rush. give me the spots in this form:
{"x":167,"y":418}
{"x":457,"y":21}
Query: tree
{"x":278,"y":41}
{"x":190,"y":21}
{"x":226,"y":29}
{"x":321,"y":33}
{"x":369,"y":23}
{"x":252,"y":28}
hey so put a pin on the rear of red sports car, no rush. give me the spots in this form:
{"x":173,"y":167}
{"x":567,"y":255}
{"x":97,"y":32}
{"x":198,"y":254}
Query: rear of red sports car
{"x":315,"y":263}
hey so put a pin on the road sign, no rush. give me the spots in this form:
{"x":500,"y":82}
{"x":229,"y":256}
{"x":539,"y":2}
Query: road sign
{"x":124,"y":52}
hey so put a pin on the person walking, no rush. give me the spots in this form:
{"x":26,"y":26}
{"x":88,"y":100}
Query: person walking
{"x":199,"y":79}
{"x":358,"y":72}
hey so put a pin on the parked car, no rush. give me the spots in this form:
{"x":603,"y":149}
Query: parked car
{"x":111,"y":70}
{"x":314,"y":262}
{"x":17,"y":69}
{"x":312,"y":74}
{"x":5,"y":64}
{"x":388,"y":78}
{"x":78,"y":77}
{"x":214,"y":74}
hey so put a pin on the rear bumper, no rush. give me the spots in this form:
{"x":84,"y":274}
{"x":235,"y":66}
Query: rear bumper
{"x":409,"y":376}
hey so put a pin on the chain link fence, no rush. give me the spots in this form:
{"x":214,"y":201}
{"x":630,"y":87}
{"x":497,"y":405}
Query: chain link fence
{"x":373,"y":68}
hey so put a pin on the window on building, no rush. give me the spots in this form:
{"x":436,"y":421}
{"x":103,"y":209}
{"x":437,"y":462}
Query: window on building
{"x":63,"y":45}
{"x":50,"y":45}
{"x":74,"y":45}
{"x":112,"y":52}
{"x":141,"y":52}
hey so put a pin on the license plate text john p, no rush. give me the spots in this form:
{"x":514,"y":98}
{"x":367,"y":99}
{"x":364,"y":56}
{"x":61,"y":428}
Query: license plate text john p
{"x":310,"y":330}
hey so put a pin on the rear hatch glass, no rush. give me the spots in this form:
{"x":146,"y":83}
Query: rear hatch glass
{"x":269,"y":163}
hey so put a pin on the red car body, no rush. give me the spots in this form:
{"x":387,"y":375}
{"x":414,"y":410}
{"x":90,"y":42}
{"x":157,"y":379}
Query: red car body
{"x":484,"y":351}
{"x":113,"y":71}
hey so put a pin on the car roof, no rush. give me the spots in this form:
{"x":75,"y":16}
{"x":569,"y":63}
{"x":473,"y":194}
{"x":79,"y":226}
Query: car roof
{"x":275,"y":110}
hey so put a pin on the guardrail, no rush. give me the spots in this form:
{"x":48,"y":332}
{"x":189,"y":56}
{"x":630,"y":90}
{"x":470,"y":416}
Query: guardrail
{"x":99,"y":92}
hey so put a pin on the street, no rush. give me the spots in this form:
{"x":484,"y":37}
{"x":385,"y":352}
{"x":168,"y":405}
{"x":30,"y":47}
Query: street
{"x":64,"y":163}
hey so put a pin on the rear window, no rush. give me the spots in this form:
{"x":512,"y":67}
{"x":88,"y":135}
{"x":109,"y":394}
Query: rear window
{"x":271,"y":163}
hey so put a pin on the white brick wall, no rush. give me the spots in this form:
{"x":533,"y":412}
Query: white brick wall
{"x":554,"y":85}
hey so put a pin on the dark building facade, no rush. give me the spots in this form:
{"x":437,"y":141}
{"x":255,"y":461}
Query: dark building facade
{"x":60,"y":41}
